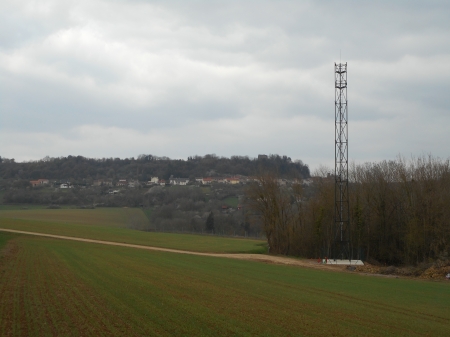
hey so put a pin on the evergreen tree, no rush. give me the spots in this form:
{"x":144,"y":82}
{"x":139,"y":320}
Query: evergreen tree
{"x":210,"y":222}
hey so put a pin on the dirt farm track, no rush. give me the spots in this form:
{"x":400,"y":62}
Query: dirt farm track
{"x":251,"y":257}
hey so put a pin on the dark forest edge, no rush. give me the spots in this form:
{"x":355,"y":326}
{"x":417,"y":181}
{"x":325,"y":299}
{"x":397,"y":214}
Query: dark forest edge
{"x":399,"y":212}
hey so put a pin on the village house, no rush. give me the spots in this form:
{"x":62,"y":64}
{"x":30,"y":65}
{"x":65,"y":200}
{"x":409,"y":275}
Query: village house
{"x":102,"y":182}
{"x":179,"y":181}
{"x":207,"y":181}
{"x":35,"y":183}
{"x":152,"y":181}
{"x":122,"y":182}
{"x":233,"y":180}
{"x":243,"y":179}
{"x":39,"y":182}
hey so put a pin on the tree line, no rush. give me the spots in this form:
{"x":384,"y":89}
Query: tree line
{"x":399,"y":212}
{"x":81,"y":169}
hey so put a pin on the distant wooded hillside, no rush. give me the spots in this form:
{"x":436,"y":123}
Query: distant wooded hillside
{"x":146,"y":166}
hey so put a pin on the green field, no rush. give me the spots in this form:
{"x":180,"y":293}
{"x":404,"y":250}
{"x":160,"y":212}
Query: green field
{"x":65,"y":288}
{"x":112,"y":224}
{"x":111,"y":217}
{"x":20,"y":207}
{"x":148,"y":212}
{"x":232,"y":201}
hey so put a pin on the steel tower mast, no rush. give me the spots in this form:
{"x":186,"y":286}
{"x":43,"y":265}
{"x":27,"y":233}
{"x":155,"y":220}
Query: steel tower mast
{"x":341,"y":245}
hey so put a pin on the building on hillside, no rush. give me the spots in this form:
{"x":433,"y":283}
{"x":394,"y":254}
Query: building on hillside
{"x":122,"y":182}
{"x":207,"y":181}
{"x":102,"y":182}
{"x":39,"y":182}
{"x":179,"y":181}
{"x":233,"y":180}
{"x":243,"y":179}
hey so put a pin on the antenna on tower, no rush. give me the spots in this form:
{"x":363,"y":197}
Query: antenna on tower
{"x":341,"y":243}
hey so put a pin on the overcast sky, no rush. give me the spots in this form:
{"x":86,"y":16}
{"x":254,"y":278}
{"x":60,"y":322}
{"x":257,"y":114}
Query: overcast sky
{"x":183,"y":78}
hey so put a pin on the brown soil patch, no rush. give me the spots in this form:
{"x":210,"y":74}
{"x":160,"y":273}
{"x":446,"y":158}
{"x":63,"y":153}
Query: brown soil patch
{"x":437,"y":271}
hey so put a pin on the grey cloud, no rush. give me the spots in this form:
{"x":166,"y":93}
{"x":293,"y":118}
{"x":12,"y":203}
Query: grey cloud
{"x":237,"y":73}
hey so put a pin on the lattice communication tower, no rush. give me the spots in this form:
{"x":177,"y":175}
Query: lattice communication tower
{"x":341,"y":244}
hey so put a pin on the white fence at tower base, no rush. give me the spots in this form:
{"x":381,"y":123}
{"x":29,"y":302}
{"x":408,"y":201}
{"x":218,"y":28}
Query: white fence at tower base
{"x":343,"y":262}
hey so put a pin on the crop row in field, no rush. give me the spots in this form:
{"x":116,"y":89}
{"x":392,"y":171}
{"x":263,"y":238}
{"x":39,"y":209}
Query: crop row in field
{"x":53,"y":287}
